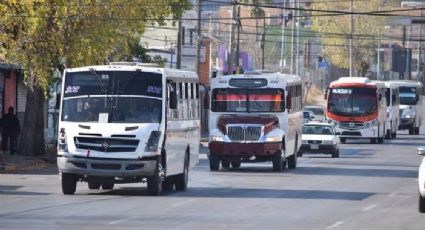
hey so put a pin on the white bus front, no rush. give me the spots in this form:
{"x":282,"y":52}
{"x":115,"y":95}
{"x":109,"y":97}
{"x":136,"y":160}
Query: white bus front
{"x":410,"y":108}
{"x":111,"y":127}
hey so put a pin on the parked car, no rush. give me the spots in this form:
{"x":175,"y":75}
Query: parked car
{"x":307,"y":116}
{"x":421,"y":179}
{"x":318,"y":112}
{"x":319,"y":138}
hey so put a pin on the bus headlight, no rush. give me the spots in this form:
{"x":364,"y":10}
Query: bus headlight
{"x":273,"y":139}
{"x":371,"y":123}
{"x":62,"y":145}
{"x":152,"y":145}
{"x":216,"y":138}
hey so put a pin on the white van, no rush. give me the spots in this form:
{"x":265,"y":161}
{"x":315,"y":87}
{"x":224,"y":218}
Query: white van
{"x":127,"y":124}
{"x":411,"y":108}
{"x":392,"y":97}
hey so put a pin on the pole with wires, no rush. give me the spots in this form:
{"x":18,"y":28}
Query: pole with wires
{"x":282,"y":48}
{"x":199,"y":40}
{"x":351,"y":37}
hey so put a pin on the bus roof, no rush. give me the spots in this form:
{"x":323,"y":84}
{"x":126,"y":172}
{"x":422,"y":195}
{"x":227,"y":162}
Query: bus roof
{"x":266,"y":75}
{"x":406,"y":83}
{"x":355,"y":81}
{"x":143,"y":68}
{"x":388,"y":84}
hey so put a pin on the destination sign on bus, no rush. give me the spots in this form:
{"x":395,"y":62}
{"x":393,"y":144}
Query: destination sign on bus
{"x":248,"y":83}
{"x":342,"y":91}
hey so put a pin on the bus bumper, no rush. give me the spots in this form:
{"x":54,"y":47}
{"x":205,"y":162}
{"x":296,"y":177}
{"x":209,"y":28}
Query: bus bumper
{"x":360,"y":133}
{"x":406,"y":123}
{"x":244,"y":149}
{"x":106,"y":167}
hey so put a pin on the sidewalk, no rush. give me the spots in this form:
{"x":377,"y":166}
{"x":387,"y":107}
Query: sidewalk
{"x":17,"y":164}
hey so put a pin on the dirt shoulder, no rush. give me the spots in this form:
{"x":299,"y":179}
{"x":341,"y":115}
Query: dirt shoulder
{"x":21,"y":164}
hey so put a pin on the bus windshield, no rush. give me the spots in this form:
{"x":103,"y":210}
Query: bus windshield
{"x":112,"y":96}
{"x":408,"y":96}
{"x":352,"y":101}
{"x":248,"y":100}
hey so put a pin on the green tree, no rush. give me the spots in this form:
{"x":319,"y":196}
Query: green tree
{"x":41,"y":35}
{"x":335,"y":32}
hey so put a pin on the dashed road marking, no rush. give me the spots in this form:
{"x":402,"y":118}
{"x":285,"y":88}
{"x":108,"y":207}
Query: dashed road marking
{"x":368,"y":208}
{"x":335,"y":225}
{"x":122,"y":220}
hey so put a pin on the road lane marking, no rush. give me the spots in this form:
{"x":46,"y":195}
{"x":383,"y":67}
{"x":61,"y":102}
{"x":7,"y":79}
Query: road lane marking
{"x":392,"y":194}
{"x":335,"y":225}
{"x":122,"y":220}
{"x":183,"y":202}
{"x":368,"y":208}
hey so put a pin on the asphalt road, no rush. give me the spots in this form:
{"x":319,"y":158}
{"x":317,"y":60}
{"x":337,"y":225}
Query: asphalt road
{"x":368,"y":187}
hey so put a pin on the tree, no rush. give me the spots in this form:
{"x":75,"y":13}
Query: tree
{"x":42,"y":35}
{"x":335,"y":32}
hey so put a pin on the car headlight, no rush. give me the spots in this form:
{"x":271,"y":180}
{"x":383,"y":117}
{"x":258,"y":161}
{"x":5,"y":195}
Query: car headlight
{"x":327,"y":142}
{"x":408,"y":113}
{"x":217,"y":138}
{"x":273,"y":139}
{"x":152,"y":145}
{"x":62,"y":145}
{"x":371,"y":123}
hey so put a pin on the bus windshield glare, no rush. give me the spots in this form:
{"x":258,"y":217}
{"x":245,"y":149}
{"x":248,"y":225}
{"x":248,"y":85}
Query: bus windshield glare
{"x":112,"y":96}
{"x":248,"y":100}
{"x":352,"y":101}
{"x":408,"y":95}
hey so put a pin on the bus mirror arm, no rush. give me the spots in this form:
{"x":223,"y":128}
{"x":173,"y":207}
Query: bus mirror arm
{"x":417,"y":98}
{"x":288,"y":102}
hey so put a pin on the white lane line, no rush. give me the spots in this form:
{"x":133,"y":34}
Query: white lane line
{"x":392,"y":194}
{"x":335,"y":225}
{"x":122,"y":220}
{"x":368,"y":208}
{"x":183,"y":202}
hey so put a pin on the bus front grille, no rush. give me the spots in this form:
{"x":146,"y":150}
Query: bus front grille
{"x":106,"y":144}
{"x":351,"y":125}
{"x":244,"y":133}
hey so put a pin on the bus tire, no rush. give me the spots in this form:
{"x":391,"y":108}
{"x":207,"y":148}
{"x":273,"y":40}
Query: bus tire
{"x":292,"y":161}
{"x":93,"y":185}
{"x":278,"y":162}
{"x":225,"y":164}
{"x":335,"y":154}
{"x":236,"y":164}
{"x":69,"y":183}
{"x":394,"y":135}
{"x":411,"y":130}
{"x":416,"y":130}
{"x":154,"y":182}
{"x":168,"y":183}
{"x":380,"y":140}
{"x":373,"y":140}
{"x":183,"y":178}
{"x":421,"y":202}
{"x":108,"y":186}
{"x":214,"y":162}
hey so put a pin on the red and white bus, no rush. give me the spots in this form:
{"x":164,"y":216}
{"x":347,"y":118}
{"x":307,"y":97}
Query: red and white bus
{"x":357,"y":107}
{"x":255,"y":117}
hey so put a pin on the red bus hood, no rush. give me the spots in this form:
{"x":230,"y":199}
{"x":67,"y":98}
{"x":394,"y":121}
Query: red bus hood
{"x":349,"y":118}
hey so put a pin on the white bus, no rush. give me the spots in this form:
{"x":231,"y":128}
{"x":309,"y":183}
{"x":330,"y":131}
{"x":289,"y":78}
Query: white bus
{"x":255,"y":117}
{"x":357,"y":107}
{"x":128,"y":124}
{"x":411,"y":108}
{"x":393,"y":102}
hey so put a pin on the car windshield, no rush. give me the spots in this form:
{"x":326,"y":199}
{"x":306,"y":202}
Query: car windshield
{"x":316,"y":111}
{"x":353,"y":101}
{"x":112,"y":96}
{"x":318,"y":129}
{"x":306,"y":115}
{"x":248,"y":100}
{"x":408,"y":96}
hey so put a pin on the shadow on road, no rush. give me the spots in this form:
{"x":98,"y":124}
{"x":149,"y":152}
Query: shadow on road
{"x":13,"y":190}
{"x":329,"y":171}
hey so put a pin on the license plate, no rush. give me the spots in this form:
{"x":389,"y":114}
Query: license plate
{"x":314,"y":146}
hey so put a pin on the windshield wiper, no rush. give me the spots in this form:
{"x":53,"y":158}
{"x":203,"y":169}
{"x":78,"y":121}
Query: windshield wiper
{"x":96,"y":78}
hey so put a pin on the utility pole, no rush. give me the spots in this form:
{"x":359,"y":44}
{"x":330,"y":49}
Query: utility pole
{"x":238,"y":52}
{"x":231,"y":57}
{"x":263,"y":41}
{"x":179,"y":45}
{"x":292,"y":40}
{"x":282,"y":48}
{"x":298,"y":40}
{"x":351,"y":37}
{"x":199,"y":40}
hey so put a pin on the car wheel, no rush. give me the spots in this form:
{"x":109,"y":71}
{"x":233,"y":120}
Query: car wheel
{"x":411,"y":130}
{"x":69,"y":183}
{"x":342,"y":139}
{"x":300,"y":153}
{"x":93,"y":185}
{"x":225,"y":164}
{"x":421,"y":203}
{"x":380,"y":140}
{"x":236,"y":164}
{"x":335,"y":154}
{"x":214,"y":162}
{"x":394,"y":135}
{"x":416,"y":130}
{"x":278,"y":162}
{"x":292,"y":161}
{"x":183,"y":178}
{"x":373,"y":140}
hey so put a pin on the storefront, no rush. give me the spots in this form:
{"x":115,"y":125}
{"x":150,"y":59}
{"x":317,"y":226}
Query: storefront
{"x":9,"y":77}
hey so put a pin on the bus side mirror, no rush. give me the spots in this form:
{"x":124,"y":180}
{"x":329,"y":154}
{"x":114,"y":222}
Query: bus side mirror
{"x":289,"y":102}
{"x":417,"y":98}
{"x":207,"y":101}
{"x":325,"y":95}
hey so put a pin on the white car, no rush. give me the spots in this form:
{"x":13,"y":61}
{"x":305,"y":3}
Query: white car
{"x":319,"y":138}
{"x":318,"y":112}
{"x":421,"y":179}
